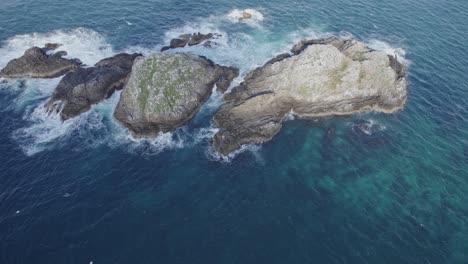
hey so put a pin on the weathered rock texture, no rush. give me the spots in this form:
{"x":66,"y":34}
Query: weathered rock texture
{"x":166,"y":91}
{"x":36,"y":63}
{"x":322,"y":77}
{"x":83,"y":87}
{"x":191,"y":40}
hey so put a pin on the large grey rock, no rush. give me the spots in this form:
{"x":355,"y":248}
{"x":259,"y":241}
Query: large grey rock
{"x":166,"y":91}
{"x":37,"y":63}
{"x":83,"y":87}
{"x":323,"y":77}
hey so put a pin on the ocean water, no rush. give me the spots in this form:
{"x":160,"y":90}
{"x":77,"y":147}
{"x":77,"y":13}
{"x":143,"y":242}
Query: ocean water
{"x":367,"y":188}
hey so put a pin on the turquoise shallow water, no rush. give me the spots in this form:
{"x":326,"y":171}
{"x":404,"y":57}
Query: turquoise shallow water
{"x":368,"y":188}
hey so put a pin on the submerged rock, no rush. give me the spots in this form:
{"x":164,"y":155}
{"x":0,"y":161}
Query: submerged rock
{"x":190,"y":39}
{"x":323,"y":77}
{"x":166,"y":91}
{"x":83,"y":87}
{"x":37,"y":63}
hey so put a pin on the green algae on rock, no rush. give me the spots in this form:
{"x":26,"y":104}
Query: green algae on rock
{"x":165,"y":91}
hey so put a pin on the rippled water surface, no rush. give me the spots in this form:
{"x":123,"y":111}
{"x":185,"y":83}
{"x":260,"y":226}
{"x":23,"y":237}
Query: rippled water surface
{"x":368,"y":188}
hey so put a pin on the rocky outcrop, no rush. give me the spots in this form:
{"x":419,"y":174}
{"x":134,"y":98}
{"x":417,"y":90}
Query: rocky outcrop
{"x":191,"y":40}
{"x":323,"y":77}
{"x":165,"y":91}
{"x":83,"y":87}
{"x":40,"y":63}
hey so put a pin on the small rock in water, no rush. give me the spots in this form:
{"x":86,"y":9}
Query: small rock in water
{"x":191,"y":40}
{"x":210,"y":44}
{"x":363,"y":128}
{"x":178,"y":43}
{"x":329,"y":135}
{"x":51,"y":46}
{"x":245,"y":15}
{"x":199,"y":38}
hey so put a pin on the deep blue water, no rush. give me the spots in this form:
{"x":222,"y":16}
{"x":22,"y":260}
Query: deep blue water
{"x":84,"y":191}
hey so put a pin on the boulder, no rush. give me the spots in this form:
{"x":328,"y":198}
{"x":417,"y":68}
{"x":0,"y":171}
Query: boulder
{"x":322,"y":77}
{"x":37,"y":63}
{"x":83,"y":87}
{"x":165,"y":91}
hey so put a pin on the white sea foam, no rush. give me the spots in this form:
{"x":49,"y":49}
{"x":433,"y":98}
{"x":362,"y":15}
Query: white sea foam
{"x":152,"y":146}
{"x":253,"y":149}
{"x":389,"y":49}
{"x":85,"y":44}
{"x":41,"y":131}
{"x":245,"y":50}
{"x":248,"y":16}
{"x":367,"y":127}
